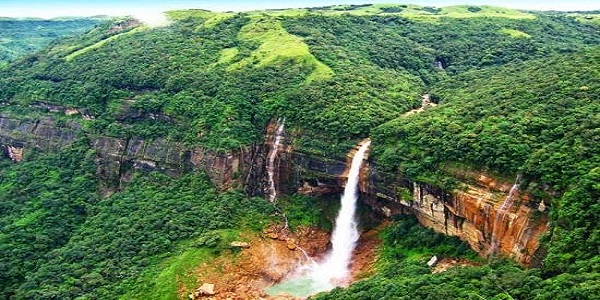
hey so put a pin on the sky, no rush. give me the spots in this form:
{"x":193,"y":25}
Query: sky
{"x":151,"y":8}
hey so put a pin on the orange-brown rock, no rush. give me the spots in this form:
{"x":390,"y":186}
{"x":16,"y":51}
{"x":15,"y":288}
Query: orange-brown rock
{"x":15,"y":153}
{"x":472,"y":214}
{"x":245,"y":274}
{"x":291,"y":244}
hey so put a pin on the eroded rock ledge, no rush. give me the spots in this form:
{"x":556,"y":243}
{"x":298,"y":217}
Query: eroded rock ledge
{"x":43,"y":134}
{"x":473,"y":214}
{"x":470,"y":213}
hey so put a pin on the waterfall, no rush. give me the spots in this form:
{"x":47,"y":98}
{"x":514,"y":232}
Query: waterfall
{"x":272,"y":189}
{"x":334,"y":270}
{"x":506,"y":205}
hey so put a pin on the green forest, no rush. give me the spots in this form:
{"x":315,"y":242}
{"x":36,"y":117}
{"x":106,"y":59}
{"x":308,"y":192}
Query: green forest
{"x":516,"y":94}
{"x":19,"y":37}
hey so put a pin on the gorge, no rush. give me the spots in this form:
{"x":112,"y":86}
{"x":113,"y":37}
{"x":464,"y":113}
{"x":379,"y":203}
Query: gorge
{"x":211,"y":152}
{"x":476,"y":213}
{"x":334,"y":268}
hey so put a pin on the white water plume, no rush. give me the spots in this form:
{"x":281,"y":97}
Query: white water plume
{"x":336,"y":267}
{"x":334,"y":270}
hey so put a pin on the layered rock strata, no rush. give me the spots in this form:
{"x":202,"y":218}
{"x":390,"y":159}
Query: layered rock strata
{"x":471,"y":212}
{"x":42,"y":134}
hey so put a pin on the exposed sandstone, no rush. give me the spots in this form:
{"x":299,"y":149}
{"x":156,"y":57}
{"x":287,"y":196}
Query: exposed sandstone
{"x":118,"y":158}
{"x":446,"y":263}
{"x":15,"y":153}
{"x":238,"y":244}
{"x":206,"y":289}
{"x":471,"y":214}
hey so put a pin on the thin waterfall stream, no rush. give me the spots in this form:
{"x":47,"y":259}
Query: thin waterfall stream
{"x":271,"y":168}
{"x":506,"y":205}
{"x":334,"y":269}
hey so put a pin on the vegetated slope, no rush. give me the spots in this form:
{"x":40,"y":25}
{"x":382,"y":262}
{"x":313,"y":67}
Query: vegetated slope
{"x":404,"y":274}
{"x":539,"y":119}
{"x":42,"y":202}
{"x":134,"y":229}
{"x":24,"y":36}
{"x":215,"y":80}
{"x":223,"y":75}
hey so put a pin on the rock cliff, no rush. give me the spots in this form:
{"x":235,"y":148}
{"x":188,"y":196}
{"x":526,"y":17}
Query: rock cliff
{"x":117,"y":158}
{"x":34,"y":134}
{"x":471,"y":212}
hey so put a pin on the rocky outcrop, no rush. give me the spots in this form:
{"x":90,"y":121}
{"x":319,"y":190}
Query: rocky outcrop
{"x":119,"y":158}
{"x":472,"y":214}
{"x":317,"y":176}
{"x":15,"y":153}
{"x":205,"y":290}
{"x":43,"y":134}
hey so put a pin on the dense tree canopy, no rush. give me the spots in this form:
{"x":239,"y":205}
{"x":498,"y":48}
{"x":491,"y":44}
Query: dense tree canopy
{"x":19,"y":37}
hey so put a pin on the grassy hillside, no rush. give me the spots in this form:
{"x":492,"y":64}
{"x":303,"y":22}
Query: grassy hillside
{"x":422,"y":13}
{"x":517,"y":92}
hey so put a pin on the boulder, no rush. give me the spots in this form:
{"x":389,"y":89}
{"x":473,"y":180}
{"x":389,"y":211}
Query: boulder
{"x":432,"y":261}
{"x":237,"y":244}
{"x":207,"y":289}
{"x":291,"y":244}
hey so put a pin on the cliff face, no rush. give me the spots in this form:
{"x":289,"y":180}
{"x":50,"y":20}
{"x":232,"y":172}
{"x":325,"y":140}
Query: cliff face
{"x":477,"y":213}
{"x":474,"y":213}
{"x":42,"y":134}
{"x":117,"y":158}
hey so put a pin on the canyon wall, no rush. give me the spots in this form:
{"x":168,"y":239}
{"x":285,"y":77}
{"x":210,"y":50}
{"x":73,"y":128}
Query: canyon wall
{"x":471,"y":212}
{"x":118,"y":158}
{"x":34,"y":134}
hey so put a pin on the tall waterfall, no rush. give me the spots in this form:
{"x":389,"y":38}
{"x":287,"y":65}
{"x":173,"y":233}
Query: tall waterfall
{"x":272,"y":189}
{"x":334,"y":270}
{"x":506,"y":205}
